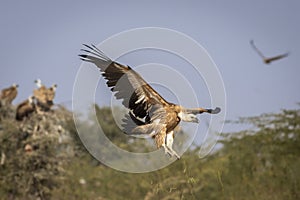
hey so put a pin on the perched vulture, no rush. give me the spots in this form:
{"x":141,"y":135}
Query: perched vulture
{"x":9,"y":94}
{"x":44,"y":96}
{"x":51,"y":94}
{"x":25,"y":108}
{"x":149,"y":111}
{"x":38,"y":83}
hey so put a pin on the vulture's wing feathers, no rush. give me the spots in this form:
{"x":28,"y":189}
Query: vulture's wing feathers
{"x":268,"y":60}
{"x":154,"y":122}
{"x":257,"y":50}
{"x":127,"y":84}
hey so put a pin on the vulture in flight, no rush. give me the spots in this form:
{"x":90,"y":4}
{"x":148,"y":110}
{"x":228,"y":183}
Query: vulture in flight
{"x":152,"y":115}
{"x":267,"y":60}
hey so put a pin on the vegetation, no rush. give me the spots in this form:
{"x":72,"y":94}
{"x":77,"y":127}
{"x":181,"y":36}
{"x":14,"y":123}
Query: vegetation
{"x":260,"y":163}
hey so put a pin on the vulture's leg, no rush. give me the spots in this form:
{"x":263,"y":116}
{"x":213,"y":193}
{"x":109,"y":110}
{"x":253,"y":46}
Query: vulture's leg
{"x":169,"y":144}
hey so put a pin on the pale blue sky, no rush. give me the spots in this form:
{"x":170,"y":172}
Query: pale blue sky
{"x":42,"y":40}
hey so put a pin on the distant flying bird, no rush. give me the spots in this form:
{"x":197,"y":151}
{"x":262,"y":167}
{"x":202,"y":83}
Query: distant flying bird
{"x":44,"y":96}
{"x":265,"y":59}
{"x":25,"y":108}
{"x":9,"y":94}
{"x":151,"y":113}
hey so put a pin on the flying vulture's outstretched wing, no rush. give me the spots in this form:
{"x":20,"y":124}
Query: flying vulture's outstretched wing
{"x":128,"y":85}
{"x":268,"y":60}
{"x":257,"y":50}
